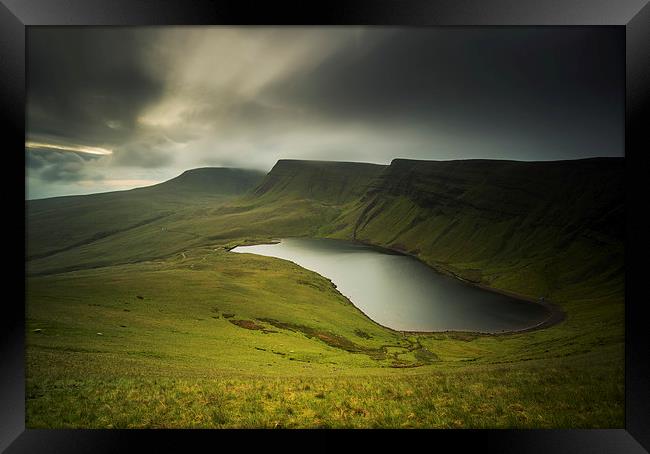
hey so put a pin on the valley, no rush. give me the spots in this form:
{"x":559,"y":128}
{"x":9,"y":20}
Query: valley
{"x":138,"y":314}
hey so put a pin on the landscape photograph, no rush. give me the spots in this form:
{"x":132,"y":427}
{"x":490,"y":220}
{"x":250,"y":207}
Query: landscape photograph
{"x":235,"y":227}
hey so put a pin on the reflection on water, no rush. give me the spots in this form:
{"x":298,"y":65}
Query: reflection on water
{"x":400,"y":292}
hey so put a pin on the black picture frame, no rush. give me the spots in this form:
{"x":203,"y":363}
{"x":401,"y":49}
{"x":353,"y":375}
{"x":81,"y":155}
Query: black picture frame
{"x":633,"y":15}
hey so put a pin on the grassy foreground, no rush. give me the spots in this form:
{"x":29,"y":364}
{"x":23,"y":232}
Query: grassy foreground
{"x":138,"y":316}
{"x":214,"y":340}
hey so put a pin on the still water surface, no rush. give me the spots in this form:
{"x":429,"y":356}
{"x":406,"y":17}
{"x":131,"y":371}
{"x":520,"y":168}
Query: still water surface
{"x":400,"y":292}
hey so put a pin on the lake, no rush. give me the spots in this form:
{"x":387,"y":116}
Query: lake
{"x":402,"y":293}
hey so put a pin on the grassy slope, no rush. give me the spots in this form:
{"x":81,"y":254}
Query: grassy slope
{"x":174,"y":359}
{"x":161,"y":220}
{"x":329,"y":182}
{"x":551,"y":229}
{"x":63,"y":223}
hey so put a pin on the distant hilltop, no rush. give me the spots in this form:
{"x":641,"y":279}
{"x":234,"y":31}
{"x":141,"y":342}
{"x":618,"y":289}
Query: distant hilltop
{"x":219,"y":180}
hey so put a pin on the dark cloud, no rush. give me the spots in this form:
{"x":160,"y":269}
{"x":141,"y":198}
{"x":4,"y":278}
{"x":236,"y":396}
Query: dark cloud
{"x":148,"y":153}
{"x":88,"y":85}
{"x":547,"y":89}
{"x":50,"y":165}
{"x":166,"y":99}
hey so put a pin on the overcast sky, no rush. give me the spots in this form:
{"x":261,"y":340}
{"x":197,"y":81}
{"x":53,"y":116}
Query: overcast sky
{"x":116,"y":108}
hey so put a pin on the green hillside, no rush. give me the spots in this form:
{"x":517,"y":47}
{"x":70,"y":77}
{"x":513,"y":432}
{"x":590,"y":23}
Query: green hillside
{"x":61,"y":224}
{"x":295,"y":198}
{"x":138,"y":316}
{"x":329,"y":182}
{"x":207,"y":181}
{"x":530,"y":227}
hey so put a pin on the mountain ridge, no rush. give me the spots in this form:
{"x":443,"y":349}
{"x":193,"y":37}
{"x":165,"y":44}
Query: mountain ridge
{"x":548,"y":223}
{"x":220,"y":180}
{"x":60,"y":224}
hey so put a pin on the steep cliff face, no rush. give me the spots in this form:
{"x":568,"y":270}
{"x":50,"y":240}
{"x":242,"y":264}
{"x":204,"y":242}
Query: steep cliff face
{"x":328,"y":182}
{"x":544,"y":223}
{"x":583,"y":195}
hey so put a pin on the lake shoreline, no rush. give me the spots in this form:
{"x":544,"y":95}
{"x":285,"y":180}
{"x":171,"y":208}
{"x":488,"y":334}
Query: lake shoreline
{"x":555,"y":314}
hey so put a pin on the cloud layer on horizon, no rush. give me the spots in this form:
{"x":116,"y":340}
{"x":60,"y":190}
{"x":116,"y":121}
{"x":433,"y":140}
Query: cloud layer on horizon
{"x":164,"y":99}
